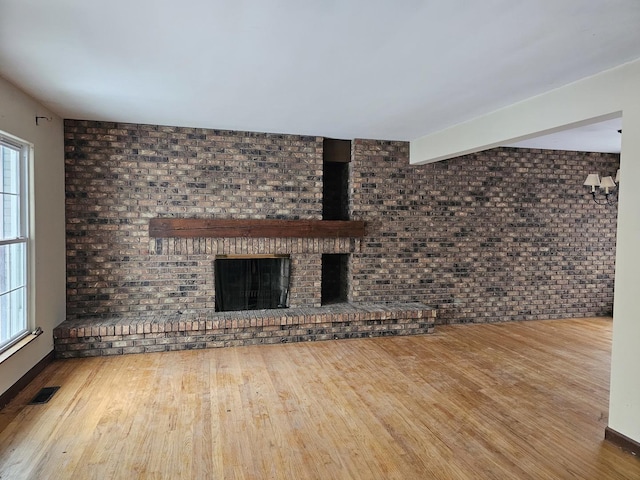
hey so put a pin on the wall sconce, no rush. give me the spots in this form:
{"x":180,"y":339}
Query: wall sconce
{"x":607,"y":184}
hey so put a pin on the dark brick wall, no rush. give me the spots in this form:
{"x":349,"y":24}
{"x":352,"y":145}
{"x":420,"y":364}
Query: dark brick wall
{"x":118,"y":176}
{"x":504,"y":234}
{"x":498,"y":235}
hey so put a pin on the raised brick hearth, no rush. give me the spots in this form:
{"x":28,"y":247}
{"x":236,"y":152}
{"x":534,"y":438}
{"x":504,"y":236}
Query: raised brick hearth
{"x":91,"y":337}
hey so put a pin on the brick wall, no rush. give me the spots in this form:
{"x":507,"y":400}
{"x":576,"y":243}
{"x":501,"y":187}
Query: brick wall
{"x":118,"y":176}
{"x":501,"y":234}
{"x":498,"y":235}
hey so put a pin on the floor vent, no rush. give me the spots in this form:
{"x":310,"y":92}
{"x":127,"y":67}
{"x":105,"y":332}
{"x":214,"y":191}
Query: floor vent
{"x":44,"y":395}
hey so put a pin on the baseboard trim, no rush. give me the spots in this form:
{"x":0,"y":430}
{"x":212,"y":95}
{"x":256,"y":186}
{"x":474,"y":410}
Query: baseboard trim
{"x":14,"y":389}
{"x":622,"y":441}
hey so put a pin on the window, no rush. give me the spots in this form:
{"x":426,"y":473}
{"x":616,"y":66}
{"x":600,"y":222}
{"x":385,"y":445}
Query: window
{"x":14,"y":223}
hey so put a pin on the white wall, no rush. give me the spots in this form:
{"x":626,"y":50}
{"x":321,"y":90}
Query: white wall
{"x":599,"y":97}
{"x":17,"y":117}
{"x":624,"y":406}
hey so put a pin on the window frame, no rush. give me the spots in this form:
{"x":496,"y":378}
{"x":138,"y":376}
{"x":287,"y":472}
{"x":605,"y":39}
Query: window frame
{"x":25,"y":155}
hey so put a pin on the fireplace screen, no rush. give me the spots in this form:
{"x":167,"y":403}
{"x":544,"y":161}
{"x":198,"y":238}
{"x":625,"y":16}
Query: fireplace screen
{"x":251,"y":283}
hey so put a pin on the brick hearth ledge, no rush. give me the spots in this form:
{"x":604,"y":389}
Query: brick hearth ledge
{"x":88,"y":337}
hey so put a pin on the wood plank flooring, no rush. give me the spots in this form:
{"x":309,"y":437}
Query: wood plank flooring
{"x":524,"y":400}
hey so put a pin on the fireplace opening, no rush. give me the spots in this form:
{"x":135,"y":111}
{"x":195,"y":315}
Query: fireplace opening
{"x":251,"y":283}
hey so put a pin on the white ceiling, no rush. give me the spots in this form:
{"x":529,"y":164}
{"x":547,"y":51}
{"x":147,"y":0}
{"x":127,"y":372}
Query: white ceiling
{"x":337,"y":68}
{"x":596,"y":137}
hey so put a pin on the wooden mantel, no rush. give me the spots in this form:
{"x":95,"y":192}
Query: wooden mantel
{"x":219,"y":228}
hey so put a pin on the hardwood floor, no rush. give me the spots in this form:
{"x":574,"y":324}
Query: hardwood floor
{"x":495,"y":401}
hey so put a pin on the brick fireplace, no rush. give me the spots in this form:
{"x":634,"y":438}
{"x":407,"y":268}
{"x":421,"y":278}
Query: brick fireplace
{"x":477,"y":238}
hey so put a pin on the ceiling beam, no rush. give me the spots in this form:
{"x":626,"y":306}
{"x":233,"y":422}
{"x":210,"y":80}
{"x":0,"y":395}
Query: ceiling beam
{"x":590,"y":100}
